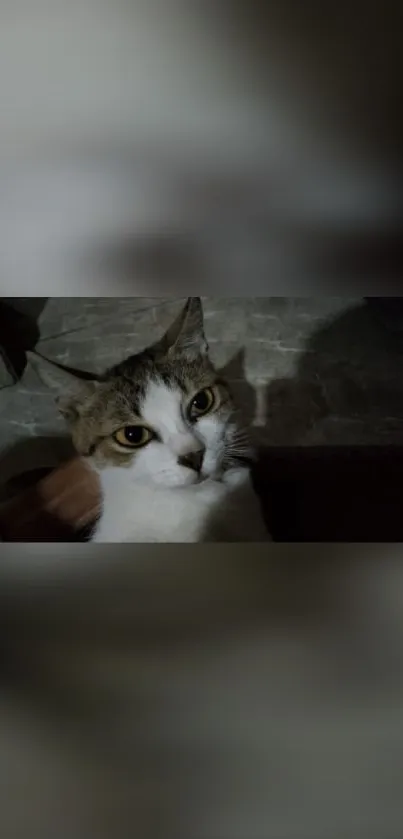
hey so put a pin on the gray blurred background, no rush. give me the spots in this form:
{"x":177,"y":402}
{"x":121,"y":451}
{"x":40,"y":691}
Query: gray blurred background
{"x":176,"y":694}
{"x":150,"y":146}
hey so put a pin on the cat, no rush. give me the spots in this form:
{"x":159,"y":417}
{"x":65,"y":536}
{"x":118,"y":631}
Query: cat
{"x":161,"y":430}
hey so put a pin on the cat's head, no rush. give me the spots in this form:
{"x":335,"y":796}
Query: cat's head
{"x":163,"y":416}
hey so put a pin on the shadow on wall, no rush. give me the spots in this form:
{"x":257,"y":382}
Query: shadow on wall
{"x":347,"y":389}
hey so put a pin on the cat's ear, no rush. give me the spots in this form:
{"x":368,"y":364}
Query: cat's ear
{"x":70,"y":389}
{"x":186,"y":335}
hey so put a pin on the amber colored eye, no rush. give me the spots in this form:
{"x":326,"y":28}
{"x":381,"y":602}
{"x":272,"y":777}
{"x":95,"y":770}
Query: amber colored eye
{"x":133,"y":436}
{"x":202,"y":403}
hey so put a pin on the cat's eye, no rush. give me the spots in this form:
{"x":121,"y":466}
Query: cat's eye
{"x":202,"y":403}
{"x":133,"y":436}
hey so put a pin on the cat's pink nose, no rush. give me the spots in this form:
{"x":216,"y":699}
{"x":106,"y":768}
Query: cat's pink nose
{"x":193,"y":460}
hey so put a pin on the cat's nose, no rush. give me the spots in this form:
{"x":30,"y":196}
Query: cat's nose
{"x":192,"y":460}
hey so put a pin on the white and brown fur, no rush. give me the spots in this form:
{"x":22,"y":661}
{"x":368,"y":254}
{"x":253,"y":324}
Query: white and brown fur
{"x":154,"y":494}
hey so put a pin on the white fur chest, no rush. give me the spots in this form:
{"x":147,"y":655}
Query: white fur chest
{"x":208,"y":512}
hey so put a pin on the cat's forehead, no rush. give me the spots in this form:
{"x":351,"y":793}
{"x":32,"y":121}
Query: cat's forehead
{"x":139,"y":372}
{"x":126,"y":389}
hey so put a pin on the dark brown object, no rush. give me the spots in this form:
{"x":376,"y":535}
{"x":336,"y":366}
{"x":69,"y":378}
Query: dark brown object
{"x":60,"y":508}
{"x":19,"y":331}
{"x":333,"y":494}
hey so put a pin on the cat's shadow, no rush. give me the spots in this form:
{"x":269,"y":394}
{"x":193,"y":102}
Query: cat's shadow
{"x":250,"y":400}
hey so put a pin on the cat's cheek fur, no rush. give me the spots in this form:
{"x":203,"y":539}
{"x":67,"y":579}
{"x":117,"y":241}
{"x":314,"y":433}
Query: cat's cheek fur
{"x":211,"y":430}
